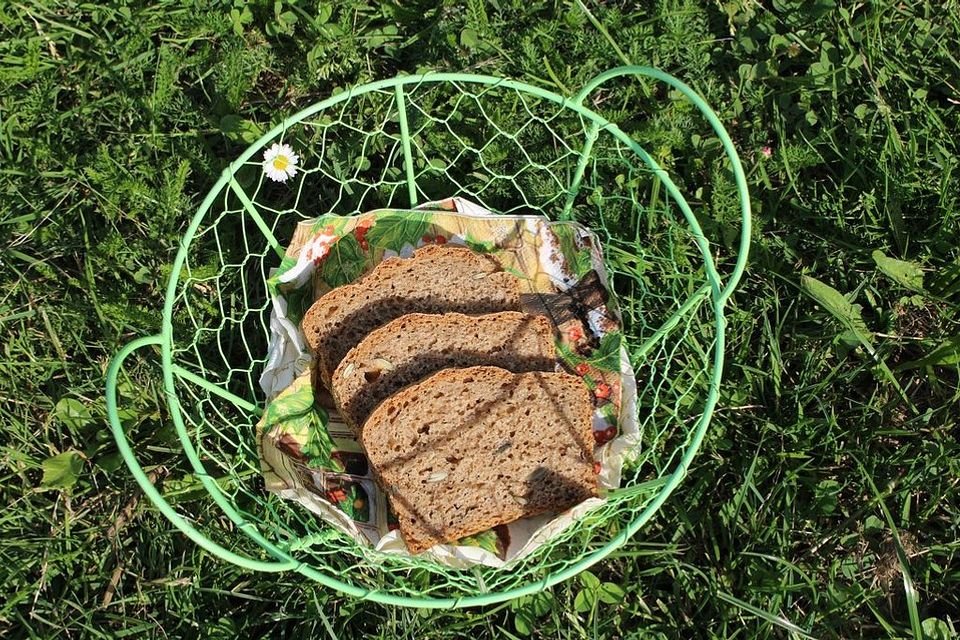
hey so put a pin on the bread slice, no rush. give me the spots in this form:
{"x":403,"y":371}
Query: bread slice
{"x":436,"y":279}
{"x":416,"y":345}
{"x":468,"y":449}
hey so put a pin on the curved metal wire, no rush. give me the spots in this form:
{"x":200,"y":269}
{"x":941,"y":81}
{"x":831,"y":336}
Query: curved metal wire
{"x":743,"y":192}
{"x":113,"y":372}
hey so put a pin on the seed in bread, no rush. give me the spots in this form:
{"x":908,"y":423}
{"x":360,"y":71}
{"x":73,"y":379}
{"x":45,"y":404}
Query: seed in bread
{"x":436,"y":279}
{"x":416,"y":345}
{"x":468,"y":449}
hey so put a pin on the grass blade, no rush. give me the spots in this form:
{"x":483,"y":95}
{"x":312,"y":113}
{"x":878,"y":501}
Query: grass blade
{"x":603,"y":31}
{"x":910,"y":591}
{"x":780,"y":621}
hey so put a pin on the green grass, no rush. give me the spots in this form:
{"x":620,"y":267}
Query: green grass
{"x":825,"y":500}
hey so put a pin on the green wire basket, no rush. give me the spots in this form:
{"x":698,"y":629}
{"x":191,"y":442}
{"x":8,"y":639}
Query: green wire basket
{"x":512,"y":148}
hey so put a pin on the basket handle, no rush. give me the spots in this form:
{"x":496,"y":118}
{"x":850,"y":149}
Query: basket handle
{"x":739,"y":176}
{"x":150,"y":490}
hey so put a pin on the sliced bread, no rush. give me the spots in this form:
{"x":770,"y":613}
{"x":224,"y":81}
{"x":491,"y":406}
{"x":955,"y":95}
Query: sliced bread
{"x":416,"y":345}
{"x":468,"y":449}
{"x":436,"y":279}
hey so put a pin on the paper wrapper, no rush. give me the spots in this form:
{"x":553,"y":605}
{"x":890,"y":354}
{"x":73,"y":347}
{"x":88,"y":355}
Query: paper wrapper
{"x":309,"y":455}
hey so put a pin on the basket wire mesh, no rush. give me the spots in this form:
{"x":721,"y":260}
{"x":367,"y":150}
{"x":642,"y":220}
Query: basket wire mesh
{"x":512,"y":148}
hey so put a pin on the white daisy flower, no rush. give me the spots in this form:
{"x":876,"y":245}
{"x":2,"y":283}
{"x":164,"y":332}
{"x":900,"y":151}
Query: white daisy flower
{"x":280,"y":162}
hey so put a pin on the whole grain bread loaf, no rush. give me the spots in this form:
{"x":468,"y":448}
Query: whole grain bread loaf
{"x":468,"y":449}
{"x":416,"y":345}
{"x":436,"y":279}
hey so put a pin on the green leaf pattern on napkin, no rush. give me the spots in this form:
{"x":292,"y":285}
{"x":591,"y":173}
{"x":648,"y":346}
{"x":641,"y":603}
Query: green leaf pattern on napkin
{"x":393,"y":230}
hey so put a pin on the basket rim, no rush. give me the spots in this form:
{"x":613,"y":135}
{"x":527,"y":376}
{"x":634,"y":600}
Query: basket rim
{"x":282,"y":559}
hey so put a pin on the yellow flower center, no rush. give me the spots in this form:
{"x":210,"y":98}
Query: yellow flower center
{"x":280,"y":163}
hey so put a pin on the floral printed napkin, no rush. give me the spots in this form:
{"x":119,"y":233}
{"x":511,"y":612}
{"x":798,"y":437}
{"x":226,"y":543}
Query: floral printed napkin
{"x":309,"y":455}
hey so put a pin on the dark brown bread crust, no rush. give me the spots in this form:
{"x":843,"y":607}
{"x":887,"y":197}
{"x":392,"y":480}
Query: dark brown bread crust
{"x":468,"y":449}
{"x":416,"y":345}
